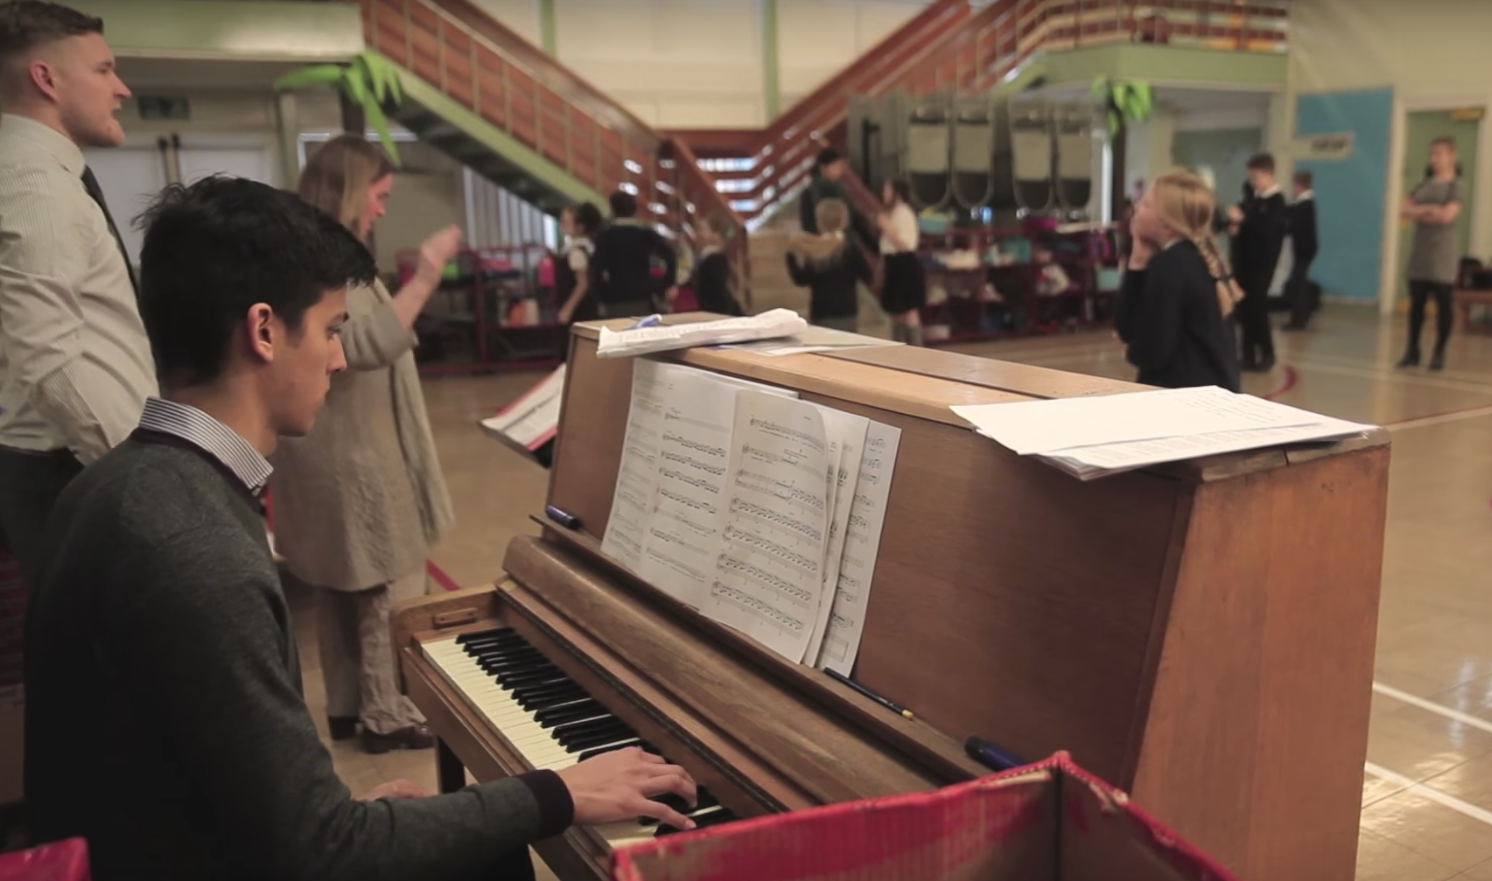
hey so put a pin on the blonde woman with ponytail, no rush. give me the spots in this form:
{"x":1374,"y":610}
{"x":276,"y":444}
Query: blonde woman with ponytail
{"x":1173,"y":311}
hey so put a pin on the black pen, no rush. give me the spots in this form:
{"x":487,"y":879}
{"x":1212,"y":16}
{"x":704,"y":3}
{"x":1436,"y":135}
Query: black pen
{"x":890,"y":705}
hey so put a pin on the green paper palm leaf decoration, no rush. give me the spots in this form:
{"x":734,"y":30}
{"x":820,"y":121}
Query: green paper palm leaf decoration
{"x":1123,"y":103}
{"x":369,"y":80}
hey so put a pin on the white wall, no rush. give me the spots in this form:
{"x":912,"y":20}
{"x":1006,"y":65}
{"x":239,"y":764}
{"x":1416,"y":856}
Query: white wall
{"x":698,"y":63}
{"x":521,"y":16}
{"x":1430,"y":54}
{"x":674,"y":63}
{"x":816,"y":39}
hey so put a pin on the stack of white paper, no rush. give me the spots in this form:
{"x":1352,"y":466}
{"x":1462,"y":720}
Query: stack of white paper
{"x":814,"y":339}
{"x":1098,"y":436}
{"x":762,"y":511}
{"x":646,"y":340}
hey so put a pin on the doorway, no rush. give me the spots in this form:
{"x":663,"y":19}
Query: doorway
{"x":1421,"y":128}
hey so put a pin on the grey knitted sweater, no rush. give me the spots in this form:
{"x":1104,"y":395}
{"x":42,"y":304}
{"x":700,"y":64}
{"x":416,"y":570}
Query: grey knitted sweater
{"x":165,"y":721}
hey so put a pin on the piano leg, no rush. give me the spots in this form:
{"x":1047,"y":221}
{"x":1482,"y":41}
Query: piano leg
{"x":450,"y":774}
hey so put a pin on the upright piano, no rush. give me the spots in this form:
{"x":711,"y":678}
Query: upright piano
{"x":1200,"y":635}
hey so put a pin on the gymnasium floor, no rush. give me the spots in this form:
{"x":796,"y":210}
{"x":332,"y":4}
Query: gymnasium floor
{"x":1427,"y":794}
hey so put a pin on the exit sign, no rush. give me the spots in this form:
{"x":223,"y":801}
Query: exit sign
{"x":155,"y":107}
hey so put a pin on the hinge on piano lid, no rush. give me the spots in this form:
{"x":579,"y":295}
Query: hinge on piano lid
{"x":456,"y":618}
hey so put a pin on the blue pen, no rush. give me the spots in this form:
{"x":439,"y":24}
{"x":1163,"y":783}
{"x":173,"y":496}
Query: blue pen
{"x":651,"y":321}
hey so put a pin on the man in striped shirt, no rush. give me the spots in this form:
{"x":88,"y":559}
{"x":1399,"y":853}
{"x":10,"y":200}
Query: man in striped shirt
{"x":75,"y":363}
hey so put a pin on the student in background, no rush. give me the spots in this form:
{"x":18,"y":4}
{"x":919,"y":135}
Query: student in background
{"x":572,"y":271}
{"x":712,"y":274}
{"x":1262,"y":222}
{"x":829,"y":168}
{"x":904,"y":282}
{"x":77,"y":366}
{"x":360,"y":500}
{"x":1172,"y":311}
{"x":622,"y":264}
{"x":1433,"y":205}
{"x":1304,"y":246}
{"x":831,"y":265}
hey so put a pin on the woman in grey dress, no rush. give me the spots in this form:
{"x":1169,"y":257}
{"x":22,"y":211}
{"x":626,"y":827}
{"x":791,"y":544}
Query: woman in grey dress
{"x":1433,"y":205}
{"x":360,"y":500}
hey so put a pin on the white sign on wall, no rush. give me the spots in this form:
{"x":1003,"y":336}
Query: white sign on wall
{"x":1336,"y":146}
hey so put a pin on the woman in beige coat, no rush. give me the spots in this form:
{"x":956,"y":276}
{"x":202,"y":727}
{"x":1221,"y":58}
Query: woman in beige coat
{"x":359,"y":502}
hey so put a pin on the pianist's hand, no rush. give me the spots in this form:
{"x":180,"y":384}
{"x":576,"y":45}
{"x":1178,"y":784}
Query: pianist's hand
{"x":615,"y":786}
{"x":395,"y":789}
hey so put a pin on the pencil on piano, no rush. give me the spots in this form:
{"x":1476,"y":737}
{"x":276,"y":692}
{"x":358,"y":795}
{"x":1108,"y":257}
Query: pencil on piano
{"x":888,"y":704}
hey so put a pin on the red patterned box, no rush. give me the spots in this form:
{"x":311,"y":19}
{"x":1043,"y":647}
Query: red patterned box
{"x":1051,"y":821}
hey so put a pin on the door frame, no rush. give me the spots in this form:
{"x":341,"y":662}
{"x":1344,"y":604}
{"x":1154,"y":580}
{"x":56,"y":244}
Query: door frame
{"x":1398,"y":137}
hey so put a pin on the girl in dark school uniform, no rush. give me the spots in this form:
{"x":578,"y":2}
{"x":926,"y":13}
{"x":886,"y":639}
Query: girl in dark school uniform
{"x":572,"y":268}
{"x":1173,"y":309}
{"x":904,"y":285}
{"x":831,"y":265}
{"x":712,"y":274}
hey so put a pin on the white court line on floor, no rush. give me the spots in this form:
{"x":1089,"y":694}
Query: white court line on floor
{"x":1426,"y":421}
{"x":1430,"y":792}
{"x":1432,"y":707}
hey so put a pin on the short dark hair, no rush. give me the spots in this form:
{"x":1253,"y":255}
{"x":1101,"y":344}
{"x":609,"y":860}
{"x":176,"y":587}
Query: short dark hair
{"x":216,"y":248}
{"x":587,"y":217}
{"x":1261,"y":162}
{"x":1305,"y":178}
{"x":827,"y":156}
{"x":901,"y":188}
{"x":623,"y":204}
{"x":27,"y":24}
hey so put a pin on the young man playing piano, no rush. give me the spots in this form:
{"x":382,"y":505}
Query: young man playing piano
{"x":165,"y":722}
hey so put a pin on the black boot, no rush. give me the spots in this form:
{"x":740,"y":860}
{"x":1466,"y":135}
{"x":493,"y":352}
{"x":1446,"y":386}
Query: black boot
{"x":1410,"y":359}
{"x":342,"y":727}
{"x":1437,"y":361}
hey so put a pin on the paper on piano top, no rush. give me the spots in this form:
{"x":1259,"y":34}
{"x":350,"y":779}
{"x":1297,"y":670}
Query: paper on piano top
{"x":862,"y":543}
{"x":645,"y":340}
{"x":1054,"y":426}
{"x":768,"y":582}
{"x":681,"y":538}
{"x":1088,"y":463}
{"x":813,"y":339}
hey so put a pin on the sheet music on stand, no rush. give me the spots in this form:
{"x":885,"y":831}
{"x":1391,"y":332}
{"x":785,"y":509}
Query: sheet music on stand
{"x":755,"y":508}
{"x":529,"y":424}
{"x":1097,"y":437}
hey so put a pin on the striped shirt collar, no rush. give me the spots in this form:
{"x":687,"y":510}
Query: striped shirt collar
{"x":211,"y":436}
{"x":47,"y":138}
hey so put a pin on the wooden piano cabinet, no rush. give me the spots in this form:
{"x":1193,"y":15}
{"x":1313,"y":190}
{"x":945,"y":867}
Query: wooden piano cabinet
{"x":1199,"y":634}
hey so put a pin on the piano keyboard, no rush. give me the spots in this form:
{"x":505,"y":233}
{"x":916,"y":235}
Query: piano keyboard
{"x":549,"y":718}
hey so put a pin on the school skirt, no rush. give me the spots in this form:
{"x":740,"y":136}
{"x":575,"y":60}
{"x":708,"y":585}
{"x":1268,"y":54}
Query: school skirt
{"x":904,"y":287}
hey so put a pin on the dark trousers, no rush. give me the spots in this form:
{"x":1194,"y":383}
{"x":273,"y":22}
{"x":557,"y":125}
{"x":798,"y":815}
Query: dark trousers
{"x":29,"y":486}
{"x":1253,"y":320}
{"x":1420,"y":293}
{"x":514,"y":867}
{"x":1301,"y":294}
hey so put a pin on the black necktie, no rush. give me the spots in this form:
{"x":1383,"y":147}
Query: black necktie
{"x":90,"y":183}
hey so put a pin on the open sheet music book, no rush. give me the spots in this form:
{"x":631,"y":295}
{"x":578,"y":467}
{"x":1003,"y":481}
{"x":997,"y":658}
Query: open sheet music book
{"x":530,"y":423}
{"x":760,"y":510}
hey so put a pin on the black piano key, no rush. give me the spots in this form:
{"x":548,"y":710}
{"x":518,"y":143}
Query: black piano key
{"x":539,"y":698}
{"x":515,"y":678}
{"x":474,"y":636}
{"x":599,"y":738}
{"x":568,"y":734}
{"x":543,"y":690}
{"x":552,"y":716}
{"x":592,"y":753}
{"x":702,"y":820}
